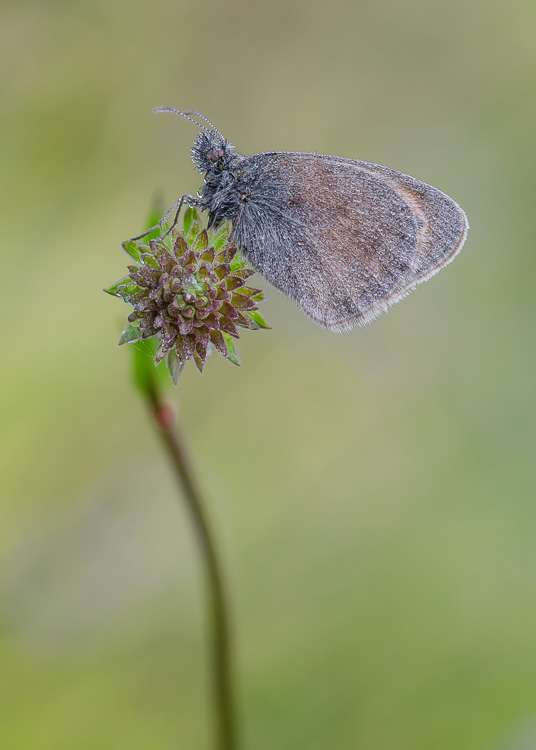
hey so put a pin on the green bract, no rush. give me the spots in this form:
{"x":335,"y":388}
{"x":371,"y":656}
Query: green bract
{"x":189,"y":291}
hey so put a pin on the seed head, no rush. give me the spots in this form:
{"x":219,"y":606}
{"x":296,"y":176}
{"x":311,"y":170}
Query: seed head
{"x":189,"y":290}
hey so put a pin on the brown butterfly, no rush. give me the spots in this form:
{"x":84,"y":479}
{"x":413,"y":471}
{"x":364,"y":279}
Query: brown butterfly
{"x":344,"y":238}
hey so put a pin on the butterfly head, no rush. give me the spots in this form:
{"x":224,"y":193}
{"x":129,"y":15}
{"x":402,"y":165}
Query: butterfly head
{"x":211,"y":153}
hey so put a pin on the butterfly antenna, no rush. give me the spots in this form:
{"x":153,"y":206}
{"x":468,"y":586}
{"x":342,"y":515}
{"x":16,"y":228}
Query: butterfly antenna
{"x":198,"y":114}
{"x":183,"y":114}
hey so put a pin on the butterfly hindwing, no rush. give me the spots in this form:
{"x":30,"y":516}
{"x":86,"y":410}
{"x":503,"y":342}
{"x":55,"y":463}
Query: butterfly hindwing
{"x":344,"y":238}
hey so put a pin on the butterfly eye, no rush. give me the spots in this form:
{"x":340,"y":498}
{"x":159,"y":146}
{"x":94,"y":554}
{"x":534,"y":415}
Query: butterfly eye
{"x":214,"y":155}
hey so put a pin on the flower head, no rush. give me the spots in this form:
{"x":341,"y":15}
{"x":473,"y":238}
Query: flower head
{"x":189,"y":290}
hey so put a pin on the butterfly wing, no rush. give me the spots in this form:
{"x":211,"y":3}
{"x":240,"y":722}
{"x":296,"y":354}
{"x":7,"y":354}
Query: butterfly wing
{"x":342,"y":237}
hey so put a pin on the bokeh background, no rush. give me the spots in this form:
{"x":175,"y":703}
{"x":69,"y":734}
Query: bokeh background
{"x":373,"y":493}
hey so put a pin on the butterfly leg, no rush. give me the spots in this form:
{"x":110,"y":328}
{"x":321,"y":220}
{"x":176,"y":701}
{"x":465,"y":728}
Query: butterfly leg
{"x":191,"y":200}
{"x":232,"y":232}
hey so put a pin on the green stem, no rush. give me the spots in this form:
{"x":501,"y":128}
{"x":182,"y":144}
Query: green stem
{"x":219,"y":608}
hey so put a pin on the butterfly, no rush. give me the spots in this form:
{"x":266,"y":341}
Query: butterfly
{"x":343,"y":238}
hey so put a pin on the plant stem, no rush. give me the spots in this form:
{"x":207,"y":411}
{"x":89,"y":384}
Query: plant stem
{"x":225,"y":735}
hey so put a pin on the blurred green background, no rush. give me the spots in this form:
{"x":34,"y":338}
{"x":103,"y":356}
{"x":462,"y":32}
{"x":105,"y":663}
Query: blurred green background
{"x":373,"y":492}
